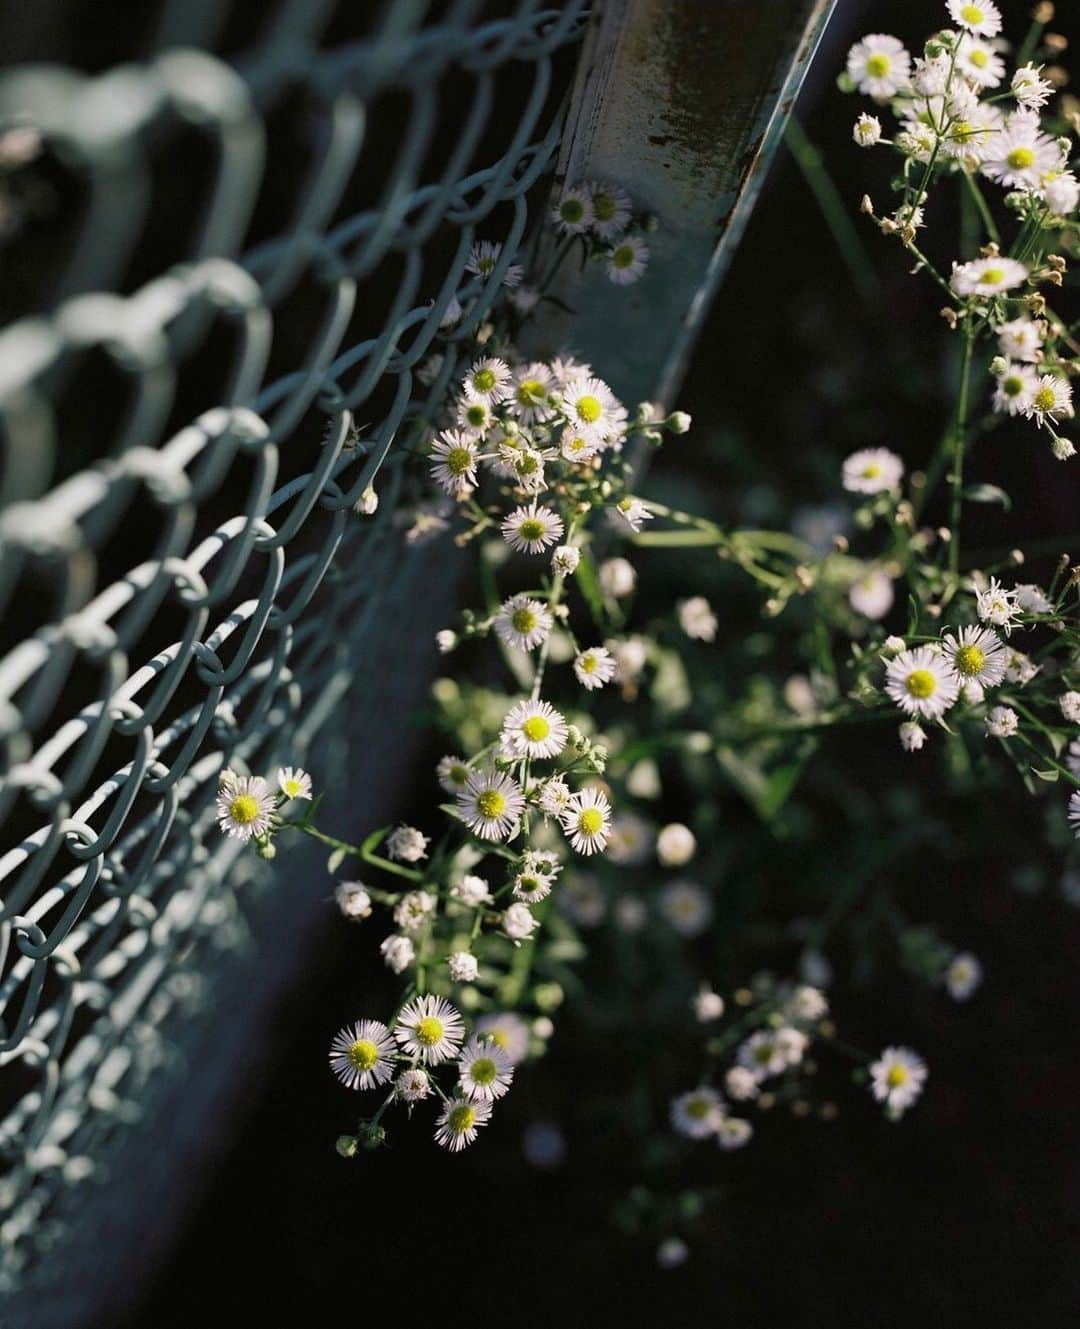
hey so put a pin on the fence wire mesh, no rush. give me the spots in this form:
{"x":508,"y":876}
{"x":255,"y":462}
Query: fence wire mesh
{"x":222,"y":300}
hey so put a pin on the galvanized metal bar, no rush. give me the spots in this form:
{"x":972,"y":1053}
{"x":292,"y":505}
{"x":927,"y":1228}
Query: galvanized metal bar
{"x":681,"y":102}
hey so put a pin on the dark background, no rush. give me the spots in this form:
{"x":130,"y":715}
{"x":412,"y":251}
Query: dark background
{"x":967,"y":1213}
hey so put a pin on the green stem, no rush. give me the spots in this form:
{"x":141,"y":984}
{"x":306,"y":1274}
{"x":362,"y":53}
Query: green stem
{"x":959,"y":442}
{"x":984,"y":210}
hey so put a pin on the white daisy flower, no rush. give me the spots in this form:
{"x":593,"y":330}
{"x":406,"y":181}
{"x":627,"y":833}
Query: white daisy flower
{"x":414,"y":909}
{"x":686,"y":907}
{"x":352,"y":898}
{"x":452,"y":774}
{"x":245,"y":807}
{"x":1074,"y":812}
{"x":741,"y":1084}
{"x":459,"y":1121}
{"x":519,"y":923}
{"x":565,"y":560}
{"x":972,"y":693}
{"x":733,"y":1133}
{"x":611,"y":209}
{"x":675,"y":845}
{"x":531,"y":395}
{"x":696,"y":618}
{"x":462,"y":966}
{"x":412,"y":1086}
{"x":879,"y":66}
{"x":970,"y":138}
{"x":573,"y":213}
{"x":763,"y":1054}
{"x":707,"y":1004}
{"x":912,"y":736}
{"x":555,"y":797}
{"x":997,"y":606}
{"x":976,"y":654}
{"x":698,"y":1113}
{"x":792,"y":1044}
{"x":867,"y":131}
{"x":491,"y":805}
{"x":1021,"y":668}
{"x":592,"y":408}
{"x":872,"y":595}
{"x":362,"y":1056}
{"x":509,"y":1031}
{"x":453,"y":463}
{"x":1019,"y":155}
{"x":922,"y":683}
{"x":565,"y":369}
{"x":446,"y":641}
{"x":429,"y":1028}
{"x":806,"y":1003}
{"x":897,"y":1079}
{"x":983,"y":18}
{"x":930,"y":76}
{"x":577,"y":447}
{"x":532,"y":529}
{"x":1021,"y":339}
{"x":587,"y":821}
{"x":531,"y":886}
{"x":1016,"y":388}
{"x":485,"y":1071}
{"x":987,"y":276}
{"x":471,"y":891}
{"x":980,"y":64}
{"x":1030,"y":89}
{"x":628,"y":260}
{"x":872,"y":471}
{"x":398,"y":952}
{"x":1069,"y":702}
{"x":633,"y":512}
{"x":963,"y":976}
{"x":1051,"y":400}
{"x":523,"y":622}
{"x":594,"y":667}
{"x":294,"y":783}
{"x":489,"y":379}
{"x":474,"y":415}
{"x":617,"y":577}
{"x":541,"y":860}
{"x":406,"y":844}
{"x":533,"y":729}
{"x":528,"y":470}
{"x":483,"y":257}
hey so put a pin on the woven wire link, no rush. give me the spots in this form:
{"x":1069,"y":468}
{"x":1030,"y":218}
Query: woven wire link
{"x":115,"y":904}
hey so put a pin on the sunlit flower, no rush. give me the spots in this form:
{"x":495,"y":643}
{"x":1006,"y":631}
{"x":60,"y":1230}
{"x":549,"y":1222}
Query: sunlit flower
{"x":696,"y":618}
{"x":633,"y":512}
{"x":407,"y":845}
{"x":362,"y":1056}
{"x":879,"y":65}
{"x":1069,"y":702}
{"x":987,"y":276}
{"x":1018,"y":157}
{"x":617,"y":577}
{"x":245,"y":807}
{"x":509,"y":1031}
{"x":452,"y":774}
{"x":594,"y":667}
{"x":1016,"y":388}
{"x":733,"y":1133}
{"x":459,"y":1121}
{"x":462,"y":966}
{"x":1030,"y":89}
{"x":565,"y":560}
{"x":762,"y":1054}
{"x":912,"y":736}
{"x":533,"y":729}
{"x":532,"y":386}
{"x":555,"y":796}
{"x":1051,"y":400}
{"x":963,"y":976}
{"x":922,"y":683}
{"x":587,"y":821}
{"x":983,"y":18}
{"x":519,"y":922}
{"x":997,"y":606}
{"x":1021,"y":339}
{"x":429,"y":1028}
{"x":675,"y":845}
{"x":698,"y":1113}
{"x":872,"y":595}
{"x":471,"y":891}
{"x":412,"y":1085}
{"x":591,"y":407}
{"x":485,"y":1071}
{"x":488,"y":378}
{"x":523,"y":622}
{"x":867,"y":131}
{"x":897,"y":1079}
{"x":414,"y":909}
{"x":532,"y":529}
{"x":976,"y":654}
{"x":491,"y":805}
{"x":352,"y":898}
{"x":872,"y":470}
{"x":741,"y":1084}
{"x":980,"y":64}
{"x":708,"y":1005}
{"x":398,"y":952}
{"x":294,"y":783}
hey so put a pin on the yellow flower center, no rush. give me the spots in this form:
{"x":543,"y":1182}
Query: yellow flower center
{"x":461,"y":1119}
{"x":972,"y":14}
{"x":483,"y":1071}
{"x":962,"y":129}
{"x":486,"y":266}
{"x":979,"y":58}
{"x":491,"y":804}
{"x":484,"y":380}
{"x":500,"y":1038}
{"x":992,"y":277}
{"x":921,"y":683}
{"x":524,"y":621}
{"x":698,"y":1108}
{"x":587,"y":664}
{"x":536,"y":728}
{"x":531,"y":529}
{"x":576,"y":444}
{"x":1044,"y":399}
{"x":1021,"y":159}
{"x":531,"y":391}
{"x":623,"y":257}
{"x":363,"y":1054}
{"x":244,"y":809}
{"x":590,"y":820}
{"x":871,"y":471}
{"x":603,"y":207}
{"x":476,"y":414}
{"x":589,"y":409}
{"x":429,"y":1031}
{"x":897,"y":1076}
{"x":571,"y":210}
{"x":459,"y":461}
{"x":527,"y":464}
{"x":878,"y":65}
{"x":970,"y":660}
{"x":1012,"y":386}
{"x":292,"y":788}
{"x":458,"y":774}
